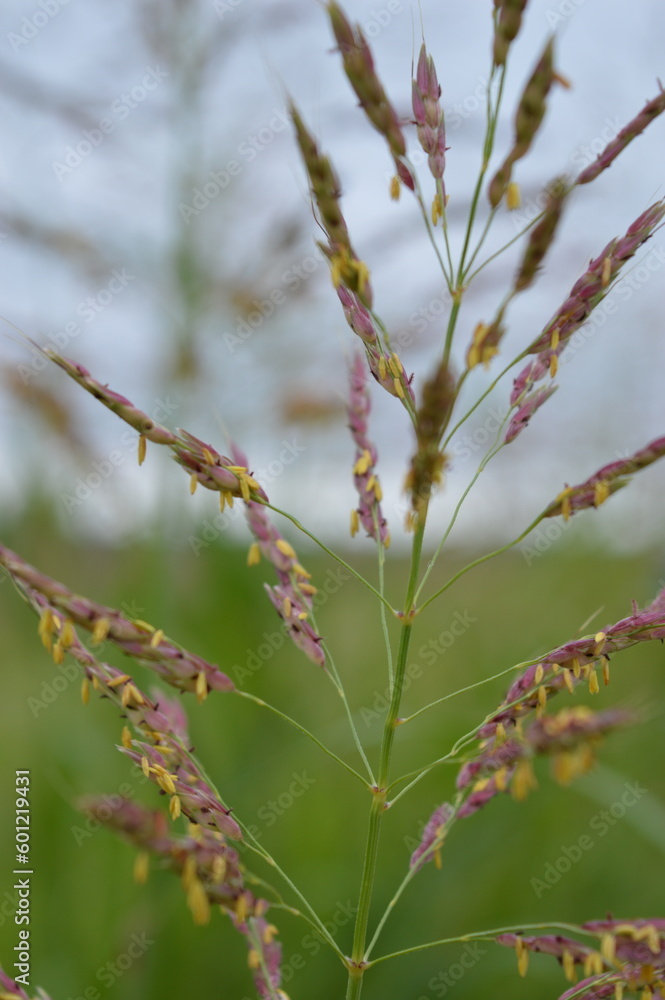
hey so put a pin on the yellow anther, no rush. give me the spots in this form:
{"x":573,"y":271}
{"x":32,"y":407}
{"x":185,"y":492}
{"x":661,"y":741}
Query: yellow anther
{"x":141,"y":867}
{"x":287,"y":607}
{"x":201,"y":688}
{"x":174,"y":806}
{"x":355,"y":523}
{"x":568,"y":678}
{"x":383,"y":368}
{"x":254,"y":554}
{"x":67,"y":635}
{"x":115,"y":682}
{"x":218,"y":868}
{"x":395,"y":188}
{"x":540,"y":672}
{"x":45,"y":628}
{"x":362,"y":463}
{"x":164,"y":779}
{"x":285,"y":548}
{"x":593,"y":683}
{"x":85,"y":691}
{"x":524,"y":780}
{"x":606,"y":272}
{"x":209,"y":457}
{"x":554,"y":365}
{"x":399,"y":388}
{"x":100,"y":630}
{"x":193,"y":483}
{"x":244,"y":487}
{"x":143,"y":446}
{"x":608,"y":948}
{"x":157,"y":638}
{"x":568,"y":963}
{"x":197,"y":901}
{"x":126,"y":738}
{"x":58,"y":653}
{"x":513,"y":196}
{"x":437,"y":212}
{"x":601,"y":491}
{"x":555,"y":338}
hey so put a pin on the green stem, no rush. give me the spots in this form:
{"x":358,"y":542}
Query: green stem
{"x":303,"y":730}
{"x":379,"y":804}
{"x":381,"y":552}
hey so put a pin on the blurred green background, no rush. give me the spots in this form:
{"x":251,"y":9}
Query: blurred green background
{"x":85,"y":905}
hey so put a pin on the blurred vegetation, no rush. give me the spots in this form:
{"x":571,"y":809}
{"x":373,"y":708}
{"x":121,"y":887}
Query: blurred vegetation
{"x":85,"y":905}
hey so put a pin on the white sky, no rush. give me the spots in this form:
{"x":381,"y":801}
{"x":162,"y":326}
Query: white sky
{"x":123,"y":199}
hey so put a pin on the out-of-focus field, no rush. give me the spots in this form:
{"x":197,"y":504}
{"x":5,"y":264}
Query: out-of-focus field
{"x":86,"y":909}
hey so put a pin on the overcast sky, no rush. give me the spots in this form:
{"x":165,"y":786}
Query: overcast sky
{"x":116,"y":115}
